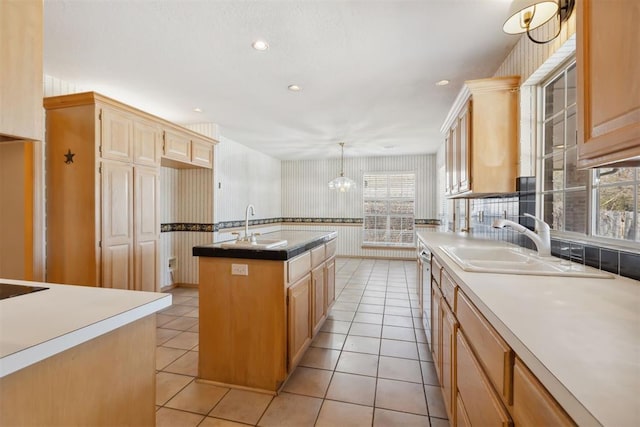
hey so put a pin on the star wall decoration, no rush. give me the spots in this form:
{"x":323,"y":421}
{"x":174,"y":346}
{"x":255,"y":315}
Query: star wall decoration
{"x":69,"y":157}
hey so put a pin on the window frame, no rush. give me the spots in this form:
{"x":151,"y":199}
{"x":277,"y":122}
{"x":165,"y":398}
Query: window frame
{"x":589,"y":237}
{"x":387,"y":199}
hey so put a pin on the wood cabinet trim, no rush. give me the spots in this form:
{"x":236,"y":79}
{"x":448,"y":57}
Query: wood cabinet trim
{"x":88,"y":98}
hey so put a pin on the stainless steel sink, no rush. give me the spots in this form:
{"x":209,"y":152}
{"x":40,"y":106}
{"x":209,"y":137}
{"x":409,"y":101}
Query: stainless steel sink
{"x":505,"y":260}
{"x":257,"y":244}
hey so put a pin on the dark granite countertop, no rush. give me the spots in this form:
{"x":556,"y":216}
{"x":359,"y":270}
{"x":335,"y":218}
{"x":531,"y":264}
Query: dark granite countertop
{"x":297,"y":243}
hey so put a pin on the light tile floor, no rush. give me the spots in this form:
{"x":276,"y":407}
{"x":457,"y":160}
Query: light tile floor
{"x":369,"y":366}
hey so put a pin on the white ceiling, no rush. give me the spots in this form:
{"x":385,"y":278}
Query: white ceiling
{"x":367,"y":68}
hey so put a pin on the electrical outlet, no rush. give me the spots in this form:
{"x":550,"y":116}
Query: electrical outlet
{"x":239,"y":270}
{"x":173,"y":263}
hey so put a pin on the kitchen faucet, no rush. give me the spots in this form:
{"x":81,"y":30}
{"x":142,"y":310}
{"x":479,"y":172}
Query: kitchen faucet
{"x":541,"y":237}
{"x":246,"y":222}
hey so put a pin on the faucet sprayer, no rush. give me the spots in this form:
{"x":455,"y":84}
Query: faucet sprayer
{"x":541,"y":237}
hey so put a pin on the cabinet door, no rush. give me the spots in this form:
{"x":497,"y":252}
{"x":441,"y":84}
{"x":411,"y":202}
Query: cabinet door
{"x":177,"y":147}
{"x":608,"y":89}
{"x":482,"y":404}
{"x":449,"y":327}
{"x":146,"y":228}
{"x":21,"y":69}
{"x":318,"y":307}
{"x":202,"y":153}
{"x":330,"y":281}
{"x":147,"y":144}
{"x":464,"y":147}
{"x":117,"y":225}
{"x":448,"y":153}
{"x":532,"y":403}
{"x":455,"y":158}
{"x":116,"y":135}
{"x":436,"y":336}
{"x":299,"y":319}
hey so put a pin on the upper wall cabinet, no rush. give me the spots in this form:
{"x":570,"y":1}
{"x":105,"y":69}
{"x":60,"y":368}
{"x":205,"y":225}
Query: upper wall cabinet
{"x":608,"y":83}
{"x":21,"y":70}
{"x":481,"y":138}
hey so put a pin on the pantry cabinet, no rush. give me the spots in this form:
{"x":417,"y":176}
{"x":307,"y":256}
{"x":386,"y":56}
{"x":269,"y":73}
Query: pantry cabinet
{"x":103,"y":164}
{"x":608,"y":90}
{"x":481,"y":138}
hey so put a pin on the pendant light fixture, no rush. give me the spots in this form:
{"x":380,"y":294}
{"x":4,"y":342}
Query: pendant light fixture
{"x":342,"y":183}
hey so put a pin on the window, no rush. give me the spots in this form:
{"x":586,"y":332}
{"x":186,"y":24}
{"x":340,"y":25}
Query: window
{"x":389,"y":209}
{"x":602,"y":202}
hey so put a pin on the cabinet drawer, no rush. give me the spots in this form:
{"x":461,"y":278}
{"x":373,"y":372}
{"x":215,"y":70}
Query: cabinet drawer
{"x":317,"y":256}
{"x":481,"y":403}
{"x":448,"y":287}
{"x":201,"y":153}
{"x":532,"y":403}
{"x":331,"y":248}
{"x":493,"y":353}
{"x":298,"y":267}
{"x":436,"y":269}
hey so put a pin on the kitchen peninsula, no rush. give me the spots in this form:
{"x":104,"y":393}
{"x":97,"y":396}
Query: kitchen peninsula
{"x":76,"y":355}
{"x":260,"y":308}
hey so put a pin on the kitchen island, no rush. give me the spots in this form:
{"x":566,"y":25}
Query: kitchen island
{"x":260,"y":308}
{"x":74,"y":355}
{"x":569,"y":345}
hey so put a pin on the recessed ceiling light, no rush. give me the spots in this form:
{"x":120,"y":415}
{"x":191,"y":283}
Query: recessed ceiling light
{"x":197,"y":110}
{"x":442,"y":83}
{"x":294,"y":88}
{"x":260,"y":45}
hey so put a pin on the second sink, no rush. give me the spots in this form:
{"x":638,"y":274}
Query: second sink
{"x":258,"y":244}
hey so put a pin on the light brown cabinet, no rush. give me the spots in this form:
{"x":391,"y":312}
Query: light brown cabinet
{"x":482,"y":405}
{"x":21,"y":87}
{"x":319,"y":306}
{"x":533,"y":405}
{"x":299,"y":314}
{"x":481,"y":139}
{"x":475,"y":366}
{"x":186,"y":151}
{"x":608,"y":90}
{"x":103,"y":164}
{"x":255,"y":328}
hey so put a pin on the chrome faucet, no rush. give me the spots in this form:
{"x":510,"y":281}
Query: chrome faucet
{"x":541,"y":237}
{"x":246,"y":222}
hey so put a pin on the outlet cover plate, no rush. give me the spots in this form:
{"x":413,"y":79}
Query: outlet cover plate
{"x":239,"y":269}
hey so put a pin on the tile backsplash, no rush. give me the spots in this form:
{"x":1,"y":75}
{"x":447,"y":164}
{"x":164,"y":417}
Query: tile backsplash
{"x":482,"y":213}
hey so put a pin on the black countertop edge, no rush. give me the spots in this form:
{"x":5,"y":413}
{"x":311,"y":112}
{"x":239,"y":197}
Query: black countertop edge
{"x":215,"y":251}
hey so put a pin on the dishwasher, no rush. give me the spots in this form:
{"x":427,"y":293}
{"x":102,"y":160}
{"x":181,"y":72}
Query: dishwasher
{"x":424,"y":263}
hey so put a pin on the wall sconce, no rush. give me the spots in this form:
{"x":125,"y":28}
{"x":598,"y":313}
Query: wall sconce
{"x":527,"y":15}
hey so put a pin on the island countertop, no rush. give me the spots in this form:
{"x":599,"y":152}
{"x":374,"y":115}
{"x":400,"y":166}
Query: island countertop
{"x":297,"y":243}
{"x":41,"y":324}
{"x":579,"y":336}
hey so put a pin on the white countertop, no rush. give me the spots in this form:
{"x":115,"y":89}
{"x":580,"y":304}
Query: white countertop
{"x":579,"y":336}
{"x":39,"y":325}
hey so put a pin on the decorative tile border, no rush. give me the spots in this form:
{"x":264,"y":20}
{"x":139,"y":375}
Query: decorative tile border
{"x":210,"y":228}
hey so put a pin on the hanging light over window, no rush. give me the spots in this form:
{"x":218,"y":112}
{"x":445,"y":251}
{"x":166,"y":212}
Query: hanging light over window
{"x":342,"y":183}
{"x":527,"y":15}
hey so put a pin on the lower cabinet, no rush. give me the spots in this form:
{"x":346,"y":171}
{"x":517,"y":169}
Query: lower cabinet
{"x":319,"y":312}
{"x":330,"y":281}
{"x":482,"y":380}
{"x":436,"y":322}
{"x":299,"y":318}
{"x":532,"y":403}
{"x":449,"y":328}
{"x":481,"y":404}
